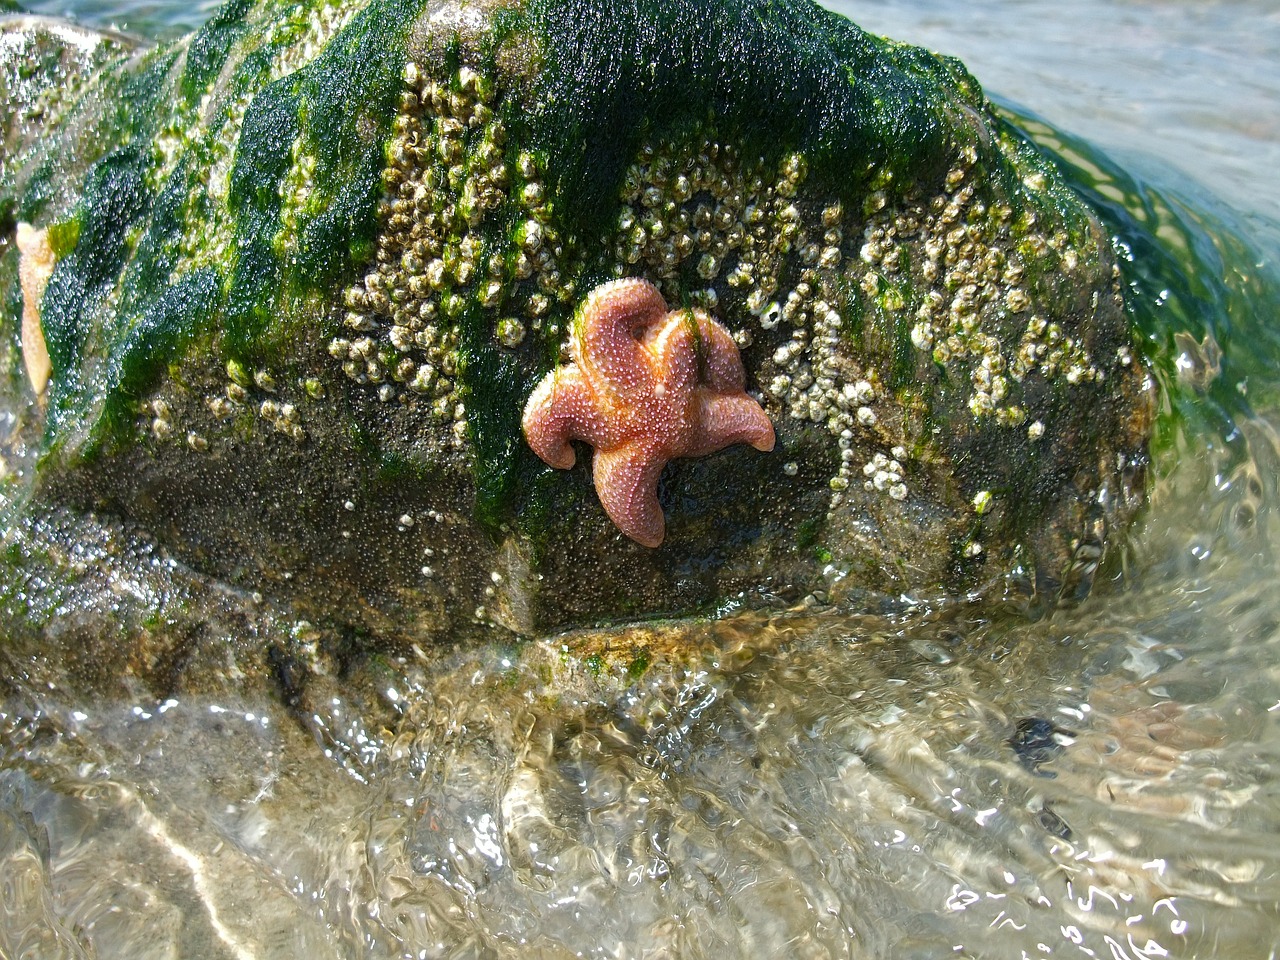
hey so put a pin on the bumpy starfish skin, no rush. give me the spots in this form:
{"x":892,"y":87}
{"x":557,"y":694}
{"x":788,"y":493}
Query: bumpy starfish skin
{"x":646,"y":386}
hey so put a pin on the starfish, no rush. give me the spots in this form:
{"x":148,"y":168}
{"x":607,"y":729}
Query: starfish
{"x":647,"y":385}
{"x":35,"y":266}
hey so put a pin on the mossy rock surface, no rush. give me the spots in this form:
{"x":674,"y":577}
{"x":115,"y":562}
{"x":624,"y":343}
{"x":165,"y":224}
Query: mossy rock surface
{"x":314,"y":258}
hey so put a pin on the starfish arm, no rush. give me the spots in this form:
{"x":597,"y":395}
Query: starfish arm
{"x":607,"y":331}
{"x":690,"y":346}
{"x":562,"y":408}
{"x":35,"y":267}
{"x":627,"y":484}
{"x":721,"y":361}
{"x":729,"y":418}
{"x":673,"y":348}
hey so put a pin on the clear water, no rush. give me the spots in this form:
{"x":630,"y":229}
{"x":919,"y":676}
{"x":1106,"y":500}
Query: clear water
{"x":1101,"y":784}
{"x":157,"y":18}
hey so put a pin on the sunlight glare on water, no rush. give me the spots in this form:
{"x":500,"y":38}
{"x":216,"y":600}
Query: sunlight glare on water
{"x":1193,"y":84}
{"x":148,"y":18}
{"x":952,"y":784}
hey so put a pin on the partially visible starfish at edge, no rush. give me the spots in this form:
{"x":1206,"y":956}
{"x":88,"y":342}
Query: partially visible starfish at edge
{"x":646,"y":385}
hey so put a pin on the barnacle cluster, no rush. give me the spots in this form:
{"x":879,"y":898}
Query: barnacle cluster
{"x":947,"y":271}
{"x":976,"y":272}
{"x":701,"y":215}
{"x":944,"y":271}
{"x":466,"y":237}
{"x":701,"y":205}
{"x":247,"y":398}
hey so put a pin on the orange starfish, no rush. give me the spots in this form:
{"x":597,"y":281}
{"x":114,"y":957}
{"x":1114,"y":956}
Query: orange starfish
{"x":646,"y":386}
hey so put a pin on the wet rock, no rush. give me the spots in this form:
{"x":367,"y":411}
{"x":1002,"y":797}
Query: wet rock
{"x":1036,"y":741}
{"x":312,"y":260}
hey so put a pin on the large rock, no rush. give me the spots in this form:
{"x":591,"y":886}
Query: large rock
{"x":312,"y":260}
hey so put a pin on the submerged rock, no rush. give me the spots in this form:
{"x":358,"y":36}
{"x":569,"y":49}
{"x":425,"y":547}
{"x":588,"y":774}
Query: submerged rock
{"x":313,"y":260}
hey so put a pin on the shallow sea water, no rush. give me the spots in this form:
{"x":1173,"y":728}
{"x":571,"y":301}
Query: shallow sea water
{"x":1102,"y":783}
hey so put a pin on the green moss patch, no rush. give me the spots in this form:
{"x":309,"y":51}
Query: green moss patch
{"x":777,"y":76}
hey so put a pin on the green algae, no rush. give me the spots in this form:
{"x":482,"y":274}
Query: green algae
{"x":115,"y":199}
{"x":638,"y":666}
{"x":181,"y":314}
{"x":495,"y":401}
{"x":114,"y":211}
{"x":122,"y":269}
{"x":210,"y":48}
{"x":113,"y":106}
{"x":777,"y":76}
{"x":271,"y":125}
{"x":10,"y":325}
{"x":340,"y":108}
{"x":348,"y":100}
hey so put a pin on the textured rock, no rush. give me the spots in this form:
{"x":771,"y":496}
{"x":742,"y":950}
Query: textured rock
{"x":313,"y":260}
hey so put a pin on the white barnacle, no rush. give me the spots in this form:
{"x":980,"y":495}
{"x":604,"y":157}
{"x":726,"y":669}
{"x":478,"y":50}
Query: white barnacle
{"x":511,"y":332}
{"x":401,"y":338}
{"x":981,"y":404}
{"x":537,"y":305}
{"x":423,"y":379}
{"x":435,"y":273}
{"x":1017,"y":300}
{"x":491,"y":294}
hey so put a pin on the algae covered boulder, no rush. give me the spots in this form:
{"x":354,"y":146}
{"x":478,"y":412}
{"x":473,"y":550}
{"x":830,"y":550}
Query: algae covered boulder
{"x":312,"y":261}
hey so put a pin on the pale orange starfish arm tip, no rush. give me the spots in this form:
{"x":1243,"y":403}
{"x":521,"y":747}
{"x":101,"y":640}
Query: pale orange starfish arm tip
{"x":730,"y":418}
{"x":605,"y":337}
{"x":627,"y":484}
{"x":693,"y":334}
{"x":561,"y":408}
{"x":35,"y":266}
